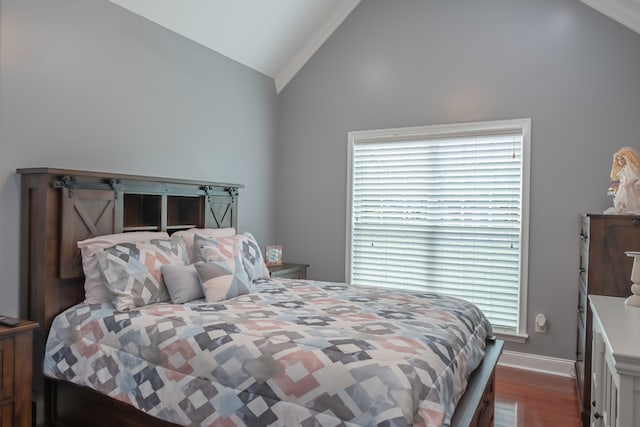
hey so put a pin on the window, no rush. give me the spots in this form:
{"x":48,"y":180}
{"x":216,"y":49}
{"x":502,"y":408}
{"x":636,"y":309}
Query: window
{"x":444,"y":209}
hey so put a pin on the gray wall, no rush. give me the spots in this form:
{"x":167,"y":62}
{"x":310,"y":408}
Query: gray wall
{"x":573,"y":71}
{"x":88,"y":85}
{"x":85,"y":84}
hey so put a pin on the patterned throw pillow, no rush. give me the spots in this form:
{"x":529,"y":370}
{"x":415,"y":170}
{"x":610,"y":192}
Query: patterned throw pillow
{"x":222,"y":280}
{"x":223,"y":248}
{"x":133,"y":274}
{"x":95,"y":290}
{"x":189,"y":234}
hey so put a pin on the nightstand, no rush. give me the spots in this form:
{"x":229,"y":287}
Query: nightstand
{"x":289,"y":271}
{"x":16,"y":344}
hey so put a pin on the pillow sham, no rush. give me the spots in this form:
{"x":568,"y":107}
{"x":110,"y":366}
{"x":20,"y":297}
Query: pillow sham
{"x":188,"y":236}
{"x":220,"y":249}
{"x":133,"y":271}
{"x":95,"y":290}
{"x":222,"y":280}
{"x":182,"y":282}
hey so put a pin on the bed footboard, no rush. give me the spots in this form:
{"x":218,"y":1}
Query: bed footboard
{"x":475,"y":409}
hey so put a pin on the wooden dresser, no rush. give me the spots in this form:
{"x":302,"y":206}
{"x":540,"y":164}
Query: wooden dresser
{"x":615,"y":371}
{"x":604,"y":270}
{"x":16,"y":351}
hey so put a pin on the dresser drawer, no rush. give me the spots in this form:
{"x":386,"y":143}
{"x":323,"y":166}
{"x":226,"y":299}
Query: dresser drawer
{"x":16,"y":345}
{"x":6,"y":363}
{"x":6,"y":415}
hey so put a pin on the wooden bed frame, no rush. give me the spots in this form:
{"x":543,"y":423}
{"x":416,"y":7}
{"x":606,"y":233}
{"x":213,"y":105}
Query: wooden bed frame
{"x":60,"y":207}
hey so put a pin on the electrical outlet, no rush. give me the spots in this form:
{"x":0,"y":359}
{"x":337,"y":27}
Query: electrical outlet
{"x":541,"y":324}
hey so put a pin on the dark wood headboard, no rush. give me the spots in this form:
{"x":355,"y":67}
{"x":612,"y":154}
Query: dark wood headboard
{"x":60,"y":207}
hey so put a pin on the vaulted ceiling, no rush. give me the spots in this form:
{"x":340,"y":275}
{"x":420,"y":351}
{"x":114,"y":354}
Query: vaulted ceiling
{"x":277,"y":37}
{"x":274,"y":37}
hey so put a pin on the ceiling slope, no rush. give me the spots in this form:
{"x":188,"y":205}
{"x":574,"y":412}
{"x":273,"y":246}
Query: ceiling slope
{"x":277,"y":37}
{"x":274,"y":37}
{"x":626,"y":12}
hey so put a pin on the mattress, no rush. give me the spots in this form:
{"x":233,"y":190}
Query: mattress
{"x":289,"y":353}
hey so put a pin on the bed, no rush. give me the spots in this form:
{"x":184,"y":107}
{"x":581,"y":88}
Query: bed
{"x":367,"y":334}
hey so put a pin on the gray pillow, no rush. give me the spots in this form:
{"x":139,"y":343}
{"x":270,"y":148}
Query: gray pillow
{"x":182,"y":282}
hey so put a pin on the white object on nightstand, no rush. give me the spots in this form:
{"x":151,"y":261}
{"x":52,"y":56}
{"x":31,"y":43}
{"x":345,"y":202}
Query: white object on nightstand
{"x":634,"y":300}
{"x":615,"y":368}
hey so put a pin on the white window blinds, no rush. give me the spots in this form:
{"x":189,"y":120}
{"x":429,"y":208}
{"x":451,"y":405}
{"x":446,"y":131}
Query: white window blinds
{"x":441,"y":213}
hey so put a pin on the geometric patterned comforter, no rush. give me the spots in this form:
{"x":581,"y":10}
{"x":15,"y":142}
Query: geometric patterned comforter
{"x":289,"y":353}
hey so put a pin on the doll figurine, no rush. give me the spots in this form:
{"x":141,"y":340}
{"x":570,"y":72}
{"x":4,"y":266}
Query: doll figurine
{"x":626,"y":171}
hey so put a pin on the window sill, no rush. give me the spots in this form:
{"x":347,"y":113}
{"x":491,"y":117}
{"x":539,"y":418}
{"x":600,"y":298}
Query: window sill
{"x":512,"y":337}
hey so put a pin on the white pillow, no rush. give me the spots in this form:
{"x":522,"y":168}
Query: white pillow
{"x":188,"y":235}
{"x":95,"y":289}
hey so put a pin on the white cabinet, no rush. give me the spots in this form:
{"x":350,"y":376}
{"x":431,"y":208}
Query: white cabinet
{"x":615,"y":368}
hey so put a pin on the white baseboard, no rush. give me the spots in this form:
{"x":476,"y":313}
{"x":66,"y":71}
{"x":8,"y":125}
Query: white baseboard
{"x":536,"y":363}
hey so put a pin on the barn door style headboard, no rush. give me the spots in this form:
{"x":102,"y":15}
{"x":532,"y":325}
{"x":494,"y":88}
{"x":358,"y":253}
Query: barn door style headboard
{"x":61,"y":207}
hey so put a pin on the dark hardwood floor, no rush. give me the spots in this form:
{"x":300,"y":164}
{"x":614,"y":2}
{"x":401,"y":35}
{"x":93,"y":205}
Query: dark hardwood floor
{"x":530,"y":399}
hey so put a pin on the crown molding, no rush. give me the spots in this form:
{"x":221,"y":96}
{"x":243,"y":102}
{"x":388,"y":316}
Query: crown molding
{"x":292,"y":67}
{"x":624,"y":11}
